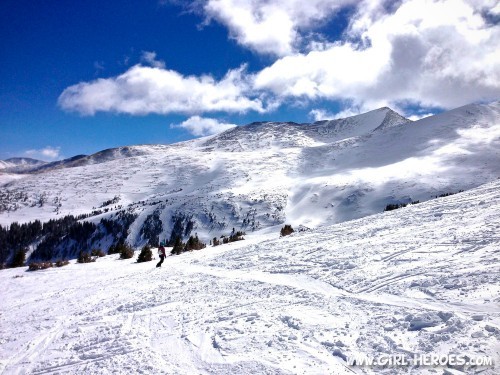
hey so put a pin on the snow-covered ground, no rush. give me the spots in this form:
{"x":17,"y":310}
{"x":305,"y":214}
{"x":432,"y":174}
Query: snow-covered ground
{"x":422,"y":279}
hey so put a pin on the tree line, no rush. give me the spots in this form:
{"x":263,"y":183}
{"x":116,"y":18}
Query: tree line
{"x":62,"y":238}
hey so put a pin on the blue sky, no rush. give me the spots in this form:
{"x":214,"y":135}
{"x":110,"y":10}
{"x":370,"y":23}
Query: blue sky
{"x":79,"y":77}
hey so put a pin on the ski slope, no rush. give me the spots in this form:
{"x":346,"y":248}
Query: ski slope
{"x":422,"y":279}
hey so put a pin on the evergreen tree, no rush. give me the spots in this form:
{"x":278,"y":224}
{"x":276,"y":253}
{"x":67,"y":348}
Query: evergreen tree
{"x":97,"y":253}
{"x":286,"y":230}
{"x":236,"y":236}
{"x":112,"y":250}
{"x":126,"y":252}
{"x":178,"y":246}
{"x":84,"y":257}
{"x":19,"y":258}
{"x":145,"y":255}
{"x":152,"y":228}
{"x":194,"y":243}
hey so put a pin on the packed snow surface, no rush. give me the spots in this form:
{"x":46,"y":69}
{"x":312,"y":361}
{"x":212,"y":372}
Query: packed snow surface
{"x":422,"y":279}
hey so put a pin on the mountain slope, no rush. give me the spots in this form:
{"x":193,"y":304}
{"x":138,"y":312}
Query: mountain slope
{"x":20,"y":164}
{"x":449,"y":152}
{"x":421,"y":280}
{"x":265,"y":174}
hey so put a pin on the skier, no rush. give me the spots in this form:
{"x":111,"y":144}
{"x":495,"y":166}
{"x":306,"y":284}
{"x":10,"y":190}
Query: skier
{"x":161,"y":253}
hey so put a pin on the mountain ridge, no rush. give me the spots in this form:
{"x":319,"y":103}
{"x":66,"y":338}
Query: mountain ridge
{"x":20,"y":164}
{"x":323,"y":127}
{"x":310,"y":175}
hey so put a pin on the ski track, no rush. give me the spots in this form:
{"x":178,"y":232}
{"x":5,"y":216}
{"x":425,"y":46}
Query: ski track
{"x":294,"y":305}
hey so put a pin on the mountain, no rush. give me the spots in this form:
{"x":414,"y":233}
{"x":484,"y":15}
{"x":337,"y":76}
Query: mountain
{"x":20,"y":164}
{"x":264,"y":174}
{"x":259,"y":135}
{"x":70,"y":162}
{"x":417,"y":283}
{"x":111,"y":154}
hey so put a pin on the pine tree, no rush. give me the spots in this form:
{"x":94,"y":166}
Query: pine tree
{"x":97,"y":253}
{"x":19,"y":258}
{"x":84,"y":257}
{"x":145,"y":255}
{"x":112,"y":250}
{"x":286,"y":230}
{"x":236,"y":236}
{"x":126,"y":252}
{"x":178,"y":246}
{"x":194,"y":243}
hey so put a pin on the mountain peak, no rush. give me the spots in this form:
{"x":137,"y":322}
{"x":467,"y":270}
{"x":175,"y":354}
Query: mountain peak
{"x":265,"y":134}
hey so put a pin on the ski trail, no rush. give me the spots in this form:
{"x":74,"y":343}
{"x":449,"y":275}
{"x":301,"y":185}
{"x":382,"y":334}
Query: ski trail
{"x":297,"y":281}
{"x":26,"y":360}
{"x":387,"y":280}
{"x":311,"y":285}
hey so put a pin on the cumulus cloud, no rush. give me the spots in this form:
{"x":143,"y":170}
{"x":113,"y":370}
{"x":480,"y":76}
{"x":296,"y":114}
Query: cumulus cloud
{"x":433,"y":53}
{"x":420,"y":116}
{"x":406,"y":53}
{"x":321,"y":114}
{"x":200,"y":126}
{"x":149,"y":58}
{"x":144,"y":89}
{"x":271,"y":26}
{"x":48,"y":153}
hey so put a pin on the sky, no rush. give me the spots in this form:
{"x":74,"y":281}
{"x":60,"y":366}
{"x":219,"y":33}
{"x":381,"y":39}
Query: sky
{"x":82,"y":76}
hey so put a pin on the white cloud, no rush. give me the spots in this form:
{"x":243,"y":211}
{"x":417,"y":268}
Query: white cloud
{"x":428,"y":53}
{"x":496,"y":10}
{"x":48,"y":153}
{"x":149,"y":58}
{"x":200,"y":126}
{"x":143,"y":90}
{"x":434,"y":53}
{"x":419,"y":117}
{"x":271,"y":26}
{"x":321,"y":114}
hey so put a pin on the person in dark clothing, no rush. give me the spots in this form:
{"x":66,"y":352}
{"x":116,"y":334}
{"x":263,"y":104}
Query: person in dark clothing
{"x":161,"y":253}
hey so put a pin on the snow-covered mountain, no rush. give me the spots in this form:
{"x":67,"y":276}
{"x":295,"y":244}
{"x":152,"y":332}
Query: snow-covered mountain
{"x":20,"y":164}
{"x":261,"y":135}
{"x":420,"y":283}
{"x":265,"y":174}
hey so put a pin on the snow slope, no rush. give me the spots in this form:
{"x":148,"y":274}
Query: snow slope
{"x":422,"y":279}
{"x":266,"y":174}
